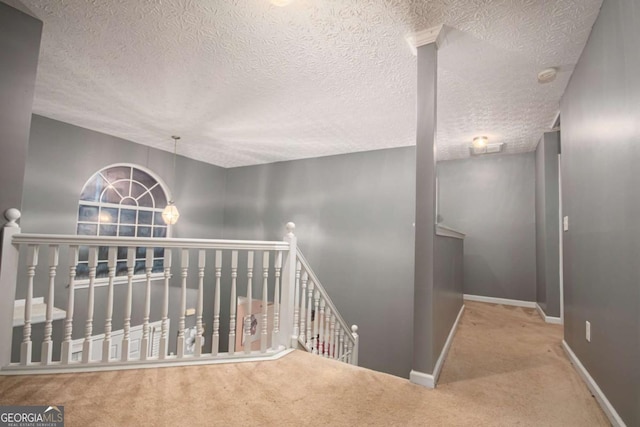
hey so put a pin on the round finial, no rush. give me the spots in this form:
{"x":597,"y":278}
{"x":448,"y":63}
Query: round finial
{"x":290,"y":227}
{"x":354,"y":329}
{"x":12,"y":215}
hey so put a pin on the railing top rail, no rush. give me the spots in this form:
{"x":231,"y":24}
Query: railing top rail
{"x":155,"y":242}
{"x":318,"y":285}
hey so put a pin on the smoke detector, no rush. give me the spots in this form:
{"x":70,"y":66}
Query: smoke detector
{"x":547,"y":75}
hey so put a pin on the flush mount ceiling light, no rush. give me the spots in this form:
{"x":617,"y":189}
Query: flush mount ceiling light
{"x":170,"y":214}
{"x":280,"y":3}
{"x":547,"y":75}
{"x":480,"y":141}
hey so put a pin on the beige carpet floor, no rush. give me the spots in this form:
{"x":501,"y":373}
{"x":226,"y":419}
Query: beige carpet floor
{"x":505,"y":368}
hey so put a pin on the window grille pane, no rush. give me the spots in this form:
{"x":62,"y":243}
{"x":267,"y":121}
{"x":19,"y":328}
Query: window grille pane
{"x":158,"y":266}
{"x":83,"y":253}
{"x":146,"y":201}
{"x":159,"y":197}
{"x":82,"y":271}
{"x":87,"y":229}
{"x":102,"y":270}
{"x":110,"y":196}
{"x":141,"y":253}
{"x":117,"y":173}
{"x":121,"y":268}
{"x":144,"y":231}
{"x":127,"y":216}
{"x":88,"y":213}
{"x":139,"y":268}
{"x":108,"y":230}
{"x":109,"y":215}
{"x":122,"y":253}
{"x":103,"y":253}
{"x":158,"y":252}
{"x":122,"y":186}
{"x":143,"y":178}
{"x":137,"y":190}
{"x":145,"y":217}
{"x":157,"y":218}
{"x":128,"y":201}
{"x":159,"y":231}
{"x":93,"y":189}
{"x":127,"y":231}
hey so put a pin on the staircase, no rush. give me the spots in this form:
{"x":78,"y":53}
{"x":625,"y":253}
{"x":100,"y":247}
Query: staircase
{"x":85,"y":303}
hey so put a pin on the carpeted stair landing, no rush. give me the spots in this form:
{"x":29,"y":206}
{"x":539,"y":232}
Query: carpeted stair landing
{"x":505,"y":368}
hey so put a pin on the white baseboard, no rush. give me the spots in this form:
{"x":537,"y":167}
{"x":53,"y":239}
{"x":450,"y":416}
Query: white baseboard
{"x":548,"y":319}
{"x":430,"y":380}
{"x":503,"y":301}
{"x":606,"y":406}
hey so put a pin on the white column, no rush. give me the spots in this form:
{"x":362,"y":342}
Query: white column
{"x":287,"y":338}
{"x":66,"y":352}
{"x":199,"y":328}
{"x":87,"y":344}
{"x":32,"y":262}
{"x":316,"y":319}
{"x":309,"y":338}
{"x":9,"y":257}
{"x":111,"y":265}
{"x":215,"y":343}
{"x":276,"y":302}
{"x":184,"y":267}
{"x":47,"y":345}
{"x":164,"y":334}
{"x":145,"y":343}
{"x":303,"y":298}
{"x":265,"y":302}
{"x":247,"y":316}
{"x":131,"y":262}
{"x":233,"y":302}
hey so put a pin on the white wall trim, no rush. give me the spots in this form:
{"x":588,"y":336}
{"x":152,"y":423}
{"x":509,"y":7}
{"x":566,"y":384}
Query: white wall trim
{"x":503,"y":301}
{"x":606,"y":406}
{"x":425,"y":37}
{"x":548,"y":319}
{"x":443,"y":230}
{"x":430,"y":380}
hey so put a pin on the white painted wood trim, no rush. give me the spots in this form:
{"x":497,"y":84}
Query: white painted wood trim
{"x":548,"y":319}
{"x":442,"y":230}
{"x":606,"y":406}
{"x":151,"y":242}
{"x":425,"y":37}
{"x":57,"y":368}
{"x":430,"y":380}
{"x":118,"y":280}
{"x":503,"y":301}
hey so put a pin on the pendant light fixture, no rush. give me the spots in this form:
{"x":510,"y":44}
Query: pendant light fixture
{"x":170,"y":214}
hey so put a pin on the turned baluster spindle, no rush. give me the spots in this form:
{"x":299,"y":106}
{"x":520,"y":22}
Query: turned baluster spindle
{"x":303,"y":298}
{"x":200,"y":303}
{"x":66,"y":350}
{"x":276,"y":302}
{"x":126,"y":340}
{"x":316,"y":321}
{"x":310,"y":314}
{"x":233,"y":302}
{"x":340,"y":343}
{"x":345,"y":347}
{"x":296,"y":303}
{"x":164,"y":333}
{"x":108,"y":326}
{"x":47,"y":344}
{"x":145,"y":350}
{"x":327,"y":332}
{"x":87,"y":344}
{"x":32,"y":262}
{"x":265,"y":302}
{"x":321,"y":320}
{"x":247,"y":318}
{"x":215,"y":343}
{"x":332,"y":340}
{"x":184,"y":267}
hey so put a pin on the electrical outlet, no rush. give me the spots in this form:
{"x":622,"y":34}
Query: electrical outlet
{"x":565,"y":223}
{"x":588,"y":330}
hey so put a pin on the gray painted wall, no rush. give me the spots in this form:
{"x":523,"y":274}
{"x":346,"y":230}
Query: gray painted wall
{"x":62,"y":157}
{"x":354,"y":216}
{"x":492,"y":200}
{"x":547,"y":225}
{"x":600,"y":187}
{"x":19,"y":51}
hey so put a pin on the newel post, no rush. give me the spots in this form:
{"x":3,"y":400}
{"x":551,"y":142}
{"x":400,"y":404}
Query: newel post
{"x":9,"y":254}
{"x":356,"y":344}
{"x":287,"y":294}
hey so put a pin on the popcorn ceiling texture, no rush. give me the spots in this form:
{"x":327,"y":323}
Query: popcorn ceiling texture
{"x":244,"y":82}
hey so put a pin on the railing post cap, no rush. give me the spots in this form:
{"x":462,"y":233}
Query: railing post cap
{"x":290,"y":227}
{"x":12,"y":215}
{"x":354,"y":329}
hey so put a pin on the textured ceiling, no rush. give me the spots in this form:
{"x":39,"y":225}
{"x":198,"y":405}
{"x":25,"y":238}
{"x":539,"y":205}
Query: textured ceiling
{"x":244,"y":82}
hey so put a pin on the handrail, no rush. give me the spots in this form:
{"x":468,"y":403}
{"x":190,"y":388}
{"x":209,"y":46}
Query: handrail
{"x":322,"y":290}
{"x":76,"y":240}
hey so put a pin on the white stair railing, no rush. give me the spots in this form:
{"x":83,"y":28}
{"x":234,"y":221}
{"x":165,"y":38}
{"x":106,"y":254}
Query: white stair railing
{"x":257,"y":328}
{"x":320,"y":328}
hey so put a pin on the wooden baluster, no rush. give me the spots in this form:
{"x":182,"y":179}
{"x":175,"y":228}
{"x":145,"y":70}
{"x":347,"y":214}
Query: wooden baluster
{"x":247,"y":317}
{"x":47,"y":344}
{"x":199,"y":307}
{"x":265,"y":301}
{"x":321,"y":319}
{"x":303,"y":298}
{"x":233,"y":303}
{"x":276,"y":302}
{"x":145,"y":348}
{"x":32,"y":262}
{"x":164,"y":334}
{"x":66,"y":350}
{"x":327,"y":332}
{"x":184,"y":265}
{"x":111,"y":265}
{"x":126,"y":340}
{"x":356,"y":340}
{"x":310,"y":313}
{"x":87,"y":344}
{"x":332,"y":342}
{"x":215,"y":344}
{"x":341,"y":344}
{"x":316,"y":320}
{"x":349,"y":351}
{"x":296,"y":303}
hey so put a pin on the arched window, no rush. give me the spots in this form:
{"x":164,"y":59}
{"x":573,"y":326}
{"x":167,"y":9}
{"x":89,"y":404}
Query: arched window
{"x":122,"y":200}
